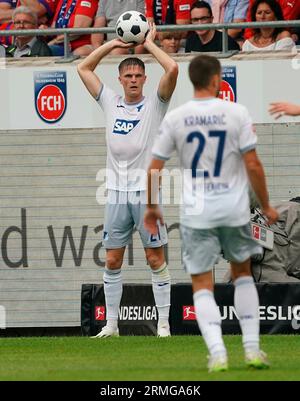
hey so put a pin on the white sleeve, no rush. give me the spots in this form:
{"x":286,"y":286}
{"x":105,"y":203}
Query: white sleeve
{"x":106,"y":98}
{"x":285,"y":44}
{"x":160,"y":106}
{"x":247,"y":135}
{"x":247,"y":47}
{"x":164,"y":143}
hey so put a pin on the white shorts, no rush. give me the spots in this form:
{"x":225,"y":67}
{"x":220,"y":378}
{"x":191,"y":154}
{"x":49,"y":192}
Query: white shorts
{"x":201,"y":248}
{"x":124,"y":211}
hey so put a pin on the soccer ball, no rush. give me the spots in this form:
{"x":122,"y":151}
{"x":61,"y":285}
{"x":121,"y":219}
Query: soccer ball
{"x":132,"y":27}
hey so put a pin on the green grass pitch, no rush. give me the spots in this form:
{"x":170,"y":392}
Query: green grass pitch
{"x":138,"y":358}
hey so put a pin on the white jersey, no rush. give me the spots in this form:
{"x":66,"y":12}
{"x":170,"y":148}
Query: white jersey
{"x":210,"y":135}
{"x":130,"y":132}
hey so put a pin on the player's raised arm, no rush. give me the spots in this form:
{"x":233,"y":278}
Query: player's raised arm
{"x":258,"y":182}
{"x":87,"y":66}
{"x":168,"y":81}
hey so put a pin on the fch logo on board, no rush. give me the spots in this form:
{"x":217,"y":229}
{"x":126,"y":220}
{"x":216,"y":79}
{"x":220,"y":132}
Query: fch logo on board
{"x":50,"y":91}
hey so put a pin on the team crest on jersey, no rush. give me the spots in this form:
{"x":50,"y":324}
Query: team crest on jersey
{"x":123,"y":127}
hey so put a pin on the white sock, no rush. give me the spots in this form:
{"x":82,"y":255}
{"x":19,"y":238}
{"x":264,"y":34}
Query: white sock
{"x":209,"y":321}
{"x":246,"y":304}
{"x":112,"y":282}
{"x":161,"y":285}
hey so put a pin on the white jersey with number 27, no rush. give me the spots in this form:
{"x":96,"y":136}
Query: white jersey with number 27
{"x":210,"y":136}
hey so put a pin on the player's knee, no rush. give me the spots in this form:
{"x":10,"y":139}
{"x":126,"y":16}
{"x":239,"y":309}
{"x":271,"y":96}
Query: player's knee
{"x":155,"y":261}
{"x":114,"y":262}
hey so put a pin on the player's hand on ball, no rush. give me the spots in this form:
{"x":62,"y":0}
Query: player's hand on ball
{"x":120,"y":43}
{"x":151,"y":35}
{"x":151,"y":218}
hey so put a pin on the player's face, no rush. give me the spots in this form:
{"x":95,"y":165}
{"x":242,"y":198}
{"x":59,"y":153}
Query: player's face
{"x":132,"y":78}
{"x":264,"y":13}
{"x":216,"y":84}
{"x":201,"y":16}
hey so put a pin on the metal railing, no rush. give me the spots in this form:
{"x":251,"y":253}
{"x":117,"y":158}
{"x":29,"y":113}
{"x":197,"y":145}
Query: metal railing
{"x":160,"y":28}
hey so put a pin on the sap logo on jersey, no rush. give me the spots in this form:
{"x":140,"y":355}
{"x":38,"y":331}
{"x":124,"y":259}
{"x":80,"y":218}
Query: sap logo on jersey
{"x":123,"y":127}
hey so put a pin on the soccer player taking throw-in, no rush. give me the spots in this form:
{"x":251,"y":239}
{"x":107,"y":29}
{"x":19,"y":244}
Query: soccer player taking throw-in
{"x":132,"y":121}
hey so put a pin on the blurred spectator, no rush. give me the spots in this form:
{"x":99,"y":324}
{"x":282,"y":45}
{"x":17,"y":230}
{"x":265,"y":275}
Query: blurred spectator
{"x":268,"y":38}
{"x":227,"y":11}
{"x":27,"y":46}
{"x":45,"y":9}
{"x":108,"y":14}
{"x":6,"y":40}
{"x":73,"y":14}
{"x":169,"y":12}
{"x":290,"y":11}
{"x":6,"y":9}
{"x":2,"y":51}
{"x":170,"y":42}
{"x":205,"y":40}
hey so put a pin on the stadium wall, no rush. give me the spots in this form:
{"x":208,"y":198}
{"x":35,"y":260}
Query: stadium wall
{"x":50,"y":221}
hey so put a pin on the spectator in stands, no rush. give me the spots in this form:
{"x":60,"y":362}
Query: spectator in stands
{"x":170,"y":42}
{"x":205,"y":40}
{"x":6,"y":10}
{"x":27,"y":46}
{"x":45,"y":9}
{"x":108,"y":14}
{"x":2,"y":51}
{"x":169,"y":12}
{"x":227,"y":11}
{"x":73,"y":14}
{"x":268,"y":38}
{"x":290,"y":10}
{"x":279,"y":109}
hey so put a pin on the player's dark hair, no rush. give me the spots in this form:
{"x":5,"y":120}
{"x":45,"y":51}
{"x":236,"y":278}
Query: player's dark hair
{"x":131,"y":61}
{"x":201,"y":70}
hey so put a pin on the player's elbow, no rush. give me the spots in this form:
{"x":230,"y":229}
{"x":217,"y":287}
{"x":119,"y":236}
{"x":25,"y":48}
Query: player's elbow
{"x":173,"y":69}
{"x":80,"y":70}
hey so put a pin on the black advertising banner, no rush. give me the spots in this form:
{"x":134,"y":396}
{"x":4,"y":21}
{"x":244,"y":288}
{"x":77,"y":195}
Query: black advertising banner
{"x":279,"y":309}
{"x":137,"y":313}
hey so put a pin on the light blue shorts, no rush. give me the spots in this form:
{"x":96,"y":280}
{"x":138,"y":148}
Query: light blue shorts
{"x":124,"y":212}
{"x":201,"y":248}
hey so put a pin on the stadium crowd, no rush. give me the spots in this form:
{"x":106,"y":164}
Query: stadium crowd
{"x":30,"y":14}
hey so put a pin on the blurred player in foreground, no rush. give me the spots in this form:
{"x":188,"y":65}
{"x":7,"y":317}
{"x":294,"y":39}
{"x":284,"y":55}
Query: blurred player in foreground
{"x":131,"y":123}
{"x":279,"y":109}
{"x":215,"y":139}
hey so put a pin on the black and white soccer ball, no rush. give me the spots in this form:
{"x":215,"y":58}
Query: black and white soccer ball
{"x":132,"y":27}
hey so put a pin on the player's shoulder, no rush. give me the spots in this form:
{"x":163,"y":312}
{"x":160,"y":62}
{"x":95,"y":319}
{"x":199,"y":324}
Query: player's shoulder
{"x":232,"y":107}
